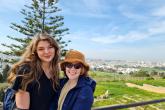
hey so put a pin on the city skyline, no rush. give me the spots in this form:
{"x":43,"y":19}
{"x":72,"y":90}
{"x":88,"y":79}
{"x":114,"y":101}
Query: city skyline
{"x":103,"y":29}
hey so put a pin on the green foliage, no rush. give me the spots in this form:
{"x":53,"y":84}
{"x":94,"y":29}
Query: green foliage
{"x":154,"y":73}
{"x":40,"y":16}
{"x":5,"y":72}
{"x":150,"y":78}
{"x":92,"y":74}
{"x":1,"y":78}
{"x":162,"y":74}
{"x":141,"y":73}
{"x":3,"y":86}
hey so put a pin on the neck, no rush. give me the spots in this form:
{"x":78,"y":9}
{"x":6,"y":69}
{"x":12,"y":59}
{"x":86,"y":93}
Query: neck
{"x":72,"y":81}
{"x":45,"y":67}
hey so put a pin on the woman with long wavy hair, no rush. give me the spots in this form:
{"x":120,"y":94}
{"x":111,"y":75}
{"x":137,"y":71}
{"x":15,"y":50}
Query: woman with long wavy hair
{"x":35,"y":77}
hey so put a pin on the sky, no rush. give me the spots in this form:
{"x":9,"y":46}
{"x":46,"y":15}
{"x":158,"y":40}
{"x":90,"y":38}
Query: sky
{"x":103,"y":29}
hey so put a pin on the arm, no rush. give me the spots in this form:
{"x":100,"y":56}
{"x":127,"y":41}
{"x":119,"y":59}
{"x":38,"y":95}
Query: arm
{"x":84,"y":100}
{"x":22,"y":99}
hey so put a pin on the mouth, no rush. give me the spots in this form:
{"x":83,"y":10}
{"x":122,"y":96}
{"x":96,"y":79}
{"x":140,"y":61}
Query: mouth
{"x":72,"y":73}
{"x":47,"y":56}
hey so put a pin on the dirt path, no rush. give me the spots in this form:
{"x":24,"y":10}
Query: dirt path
{"x":148,"y":87}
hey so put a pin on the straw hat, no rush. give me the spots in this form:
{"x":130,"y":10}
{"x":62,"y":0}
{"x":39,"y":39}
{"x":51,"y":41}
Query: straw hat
{"x":74,"y":56}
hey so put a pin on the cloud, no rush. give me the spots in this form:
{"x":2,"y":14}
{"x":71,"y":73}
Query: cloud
{"x":93,"y":6}
{"x":76,"y":36}
{"x":87,"y":14}
{"x":131,"y":13}
{"x":157,"y":28}
{"x":84,"y":8}
{"x":160,"y":12}
{"x":12,"y":5}
{"x":132,"y":36}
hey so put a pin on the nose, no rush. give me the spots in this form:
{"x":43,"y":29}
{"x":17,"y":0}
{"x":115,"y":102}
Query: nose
{"x":72,"y":67}
{"x":46,"y":50}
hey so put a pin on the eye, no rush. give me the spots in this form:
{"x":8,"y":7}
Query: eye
{"x":69,"y":65}
{"x":40,"y":49}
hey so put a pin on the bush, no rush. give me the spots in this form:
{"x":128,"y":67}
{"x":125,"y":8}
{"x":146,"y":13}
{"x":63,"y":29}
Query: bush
{"x":163,"y":77}
{"x":141,"y":73}
{"x":150,"y":78}
{"x":3,"y":86}
{"x":1,"y":78}
{"x":5,"y":71}
{"x":92,"y":74}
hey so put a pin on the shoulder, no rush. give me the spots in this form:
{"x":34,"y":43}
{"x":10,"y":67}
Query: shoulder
{"x":23,"y":69}
{"x":85,"y":93}
{"x":63,"y":81}
{"x":87,"y":82}
{"x":86,"y":90}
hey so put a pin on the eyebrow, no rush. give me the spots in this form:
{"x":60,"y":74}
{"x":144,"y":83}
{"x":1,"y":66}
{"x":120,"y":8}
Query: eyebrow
{"x":40,"y":47}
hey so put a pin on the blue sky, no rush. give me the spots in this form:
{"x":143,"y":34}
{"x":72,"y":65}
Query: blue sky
{"x":104,"y":29}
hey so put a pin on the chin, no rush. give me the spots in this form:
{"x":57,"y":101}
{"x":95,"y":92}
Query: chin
{"x":73,"y":78}
{"x":48,"y":60}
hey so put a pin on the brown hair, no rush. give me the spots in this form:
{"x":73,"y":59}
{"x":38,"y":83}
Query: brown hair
{"x":30,"y":56}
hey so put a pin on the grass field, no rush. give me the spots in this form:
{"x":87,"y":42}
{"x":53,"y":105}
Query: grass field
{"x":119,"y":93}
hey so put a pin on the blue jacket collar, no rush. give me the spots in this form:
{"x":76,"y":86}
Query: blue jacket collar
{"x":84,"y":81}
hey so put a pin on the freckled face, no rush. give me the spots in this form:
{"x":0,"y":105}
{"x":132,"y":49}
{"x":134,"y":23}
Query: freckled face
{"x":45,"y":51}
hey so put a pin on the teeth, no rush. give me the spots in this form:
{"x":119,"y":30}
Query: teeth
{"x":72,"y":73}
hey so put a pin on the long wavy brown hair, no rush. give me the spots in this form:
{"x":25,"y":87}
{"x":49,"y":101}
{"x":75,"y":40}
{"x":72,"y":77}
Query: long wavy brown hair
{"x":30,"y":57}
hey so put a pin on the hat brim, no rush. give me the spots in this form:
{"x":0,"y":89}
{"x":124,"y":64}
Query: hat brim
{"x":73,"y":60}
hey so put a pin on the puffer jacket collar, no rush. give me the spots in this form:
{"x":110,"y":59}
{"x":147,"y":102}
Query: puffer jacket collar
{"x":83,"y":81}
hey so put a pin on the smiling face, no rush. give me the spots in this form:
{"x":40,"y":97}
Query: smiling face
{"x":73,"y":70}
{"x":45,"y":51}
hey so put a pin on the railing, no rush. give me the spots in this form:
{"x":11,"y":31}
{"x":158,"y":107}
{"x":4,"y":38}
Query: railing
{"x":115,"y":107}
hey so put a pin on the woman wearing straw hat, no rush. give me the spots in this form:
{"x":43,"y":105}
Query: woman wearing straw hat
{"x":77,"y":88}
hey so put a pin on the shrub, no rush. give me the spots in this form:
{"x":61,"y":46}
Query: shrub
{"x":3,"y":86}
{"x":141,"y":73}
{"x":92,"y":73}
{"x":150,"y":78}
{"x":5,"y":71}
{"x":163,"y":77}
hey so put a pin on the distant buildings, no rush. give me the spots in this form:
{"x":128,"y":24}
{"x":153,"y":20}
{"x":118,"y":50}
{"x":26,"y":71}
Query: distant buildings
{"x":121,"y":66}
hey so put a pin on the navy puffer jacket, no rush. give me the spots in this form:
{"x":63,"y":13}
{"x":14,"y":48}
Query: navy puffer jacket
{"x":80,"y":97}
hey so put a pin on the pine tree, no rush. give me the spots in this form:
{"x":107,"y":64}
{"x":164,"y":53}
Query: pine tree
{"x":40,"y":15}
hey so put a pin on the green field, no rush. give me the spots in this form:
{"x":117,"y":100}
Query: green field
{"x":119,"y":93}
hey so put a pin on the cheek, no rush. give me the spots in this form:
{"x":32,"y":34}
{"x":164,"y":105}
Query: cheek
{"x":67,"y":70}
{"x":52,"y":51}
{"x":39,"y":54}
{"x":78,"y":71}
